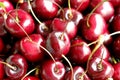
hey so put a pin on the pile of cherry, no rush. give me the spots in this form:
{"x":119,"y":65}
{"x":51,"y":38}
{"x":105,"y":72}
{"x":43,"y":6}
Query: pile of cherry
{"x":59,"y":39}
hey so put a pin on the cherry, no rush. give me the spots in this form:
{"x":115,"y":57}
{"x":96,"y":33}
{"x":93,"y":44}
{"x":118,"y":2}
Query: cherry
{"x":31,"y":78}
{"x":98,"y":69}
{"x":55,"y":71}
{"x":117,"y":10}
{"x":19,"y":64}
{"x":79,"y":51}
{"x":62,"y":25}
{"x":79,"y":5}
{"x":18,"y":25}
{"x":96,"y":26}
{"x":116,"y":23}
{"x":102,"y":51}
{"x":2,"y":45}
{"x":102,"y":9}
{"x":115,"y":3}
{"x":7,"y":5}
{"x":30,"y":47}
{"x":116,"y":46}
{"x":71,"y":14}
{"x":45,"y":9}
{"x":58,"y":44}
{"x":2,"y":71}
{"x":77,"y":74}
{"x":116,"y":71}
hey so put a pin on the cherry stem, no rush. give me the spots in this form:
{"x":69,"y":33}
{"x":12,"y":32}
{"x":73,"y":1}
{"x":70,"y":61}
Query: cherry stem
{"x":10,"y":66}
{"x":78,"y":44}
{"x":69,"y":65}
{"x":80,"y":5}
{"x":20,"y":27}
{"x":69,"y":6}
{"x":98,"y":5}
{"x":114,"y":61}
{"x":29,"y":73}
{"x":109,"y":78}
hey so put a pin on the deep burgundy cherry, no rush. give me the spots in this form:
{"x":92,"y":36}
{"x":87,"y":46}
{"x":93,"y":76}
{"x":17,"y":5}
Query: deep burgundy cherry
{"x":78,"y":72}
{"x":45,"y":9}
{"x":106,"y":9}
{"x":79,"y":5}
{"x":116,"y":47}
{"x":99,"y":69}
{"x":26,"y":22}
{"x":97,"y":26}
{"x":117,"y":10}
{"x":116,"y":71}
{"x":58,"y":44}
{"x":79,"y":51}
{"x":2,"y":71}
{"x":44,"y":29}
{"x":2,"y":45}
{"x":8,"y":5}
{"x":63,"y":25}
{"x":116,"y":23}
{"x":31,"y":78}
{"x":52,"y":70}
{"x":20,"y":66}
{"x":75,"y":17}
{"x":102,"y":52}
{"x":31,"y":48}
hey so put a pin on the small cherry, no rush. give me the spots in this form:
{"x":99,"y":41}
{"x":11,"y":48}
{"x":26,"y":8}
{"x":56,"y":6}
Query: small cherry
{"x":31,"y":78}
{"x":2,"y":71}
{"x":52,"y":70}
{"x":19,"y":64}
{"x":116,"y":71}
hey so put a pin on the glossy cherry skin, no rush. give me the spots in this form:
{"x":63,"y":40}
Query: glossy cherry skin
{"x":116,"y":71}
{"x":7,"y":4}
{"x":31,"y":78}
{"x":45,"y":9}
{"x":117,"y":10}
{"x":77,"y":74}
{"x":79,"y":51}
{"x":97,"y":26}
{"x":31,"y":48}
{"x":2,"y":71}
{"x":75,"y":17}
{"x":102,"y":52}
{"x":52,"y":70}
{"x":79,"y":5}
{"x":106,"y":12}
{"x":58,"y":44}
{"x":116,"y":23}
{"x":20,"y":66}
{"x":63,"y":25}
{"x":100,"y":72}
{"x":2,"y":45}
{"x":115,"y":3}
{"x":26,"y":22}
{"x":116,"y":46}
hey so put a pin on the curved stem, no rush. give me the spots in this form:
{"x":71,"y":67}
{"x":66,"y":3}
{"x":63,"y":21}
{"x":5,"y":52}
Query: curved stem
{"x":80,"y":5}
{"x":69,"y":65}
{"x":28,"y":73}
{"x":69,"y":6}
{"x":98,"y":5}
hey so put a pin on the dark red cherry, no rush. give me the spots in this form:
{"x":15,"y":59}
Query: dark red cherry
{"x":63,"y":25}
{"x":31,"y":48}
{"x":45,"y":9}
{"x":106,"y":9}
{"x":96,"y":26}
{"x":2,"y":45}
{"x":102,"y":52}
{"x":52,"y":70}
{"x":116,"y":71}
{"x":71,"y":14}
{"x":78,"y":72}
{"x":19,"y":64}
{"x":58,"y":44}
{"x":79,"y":5}
{"x":115,"y":3}
{"x":98,"y":69}
{"x":79,"y":51}
{"x":116,"y":23}
{"x":116,"y":47}
{"x":26,"y":23}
